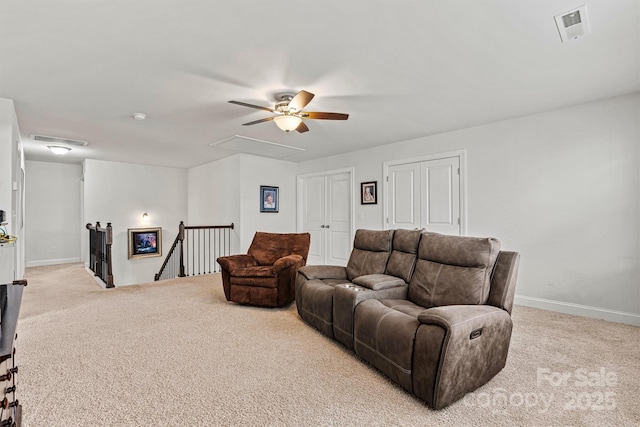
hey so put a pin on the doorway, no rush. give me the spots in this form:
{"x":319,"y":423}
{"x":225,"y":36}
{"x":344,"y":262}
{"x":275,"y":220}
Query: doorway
{"x":325,"y":210}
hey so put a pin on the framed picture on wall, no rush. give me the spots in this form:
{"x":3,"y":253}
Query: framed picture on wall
{"x":145,"y":242}
{"x":269,"y":199}
{"x":369,"y":193}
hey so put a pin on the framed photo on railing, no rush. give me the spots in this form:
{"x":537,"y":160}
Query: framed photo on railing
{"x":269,"y":199}
{"x":145,"y":242}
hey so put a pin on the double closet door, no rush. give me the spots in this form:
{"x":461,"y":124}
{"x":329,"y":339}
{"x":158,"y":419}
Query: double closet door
{"x":325,"y":211}
{"x":425,"y":194}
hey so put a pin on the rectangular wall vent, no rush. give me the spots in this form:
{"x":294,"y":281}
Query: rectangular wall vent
{"x":573,"y":24}
{"x":55,"y":140}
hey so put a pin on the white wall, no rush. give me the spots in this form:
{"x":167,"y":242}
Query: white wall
{"x":54,"y":228}
{"x":559,"y":187}
{"x":120,"y":193}
{"x":213,"y":190}
{"x":228,"y":190}
{"x":11,"y":182}
{"x":6,"y":160}
{"x":257,"y":171}
{"x":19,"y":177}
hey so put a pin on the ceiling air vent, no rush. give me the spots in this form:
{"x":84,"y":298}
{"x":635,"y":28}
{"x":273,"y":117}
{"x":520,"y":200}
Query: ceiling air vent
{"x":573,"y":24}
{"x":56,"y":140}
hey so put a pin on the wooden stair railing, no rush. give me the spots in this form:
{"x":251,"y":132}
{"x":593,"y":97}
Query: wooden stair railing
{"x":195,"y":250}
{"x":100,"y":242}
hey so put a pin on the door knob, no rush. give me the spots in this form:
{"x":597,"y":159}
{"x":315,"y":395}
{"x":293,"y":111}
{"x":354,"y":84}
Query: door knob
{"x":322,"y":226}
{"x":326,"y":226}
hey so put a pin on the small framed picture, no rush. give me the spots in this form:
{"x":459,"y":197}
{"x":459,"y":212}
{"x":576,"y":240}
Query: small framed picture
{"x":369,"y":193}
{"x":269,"y":199}
{"x":145,"y":242}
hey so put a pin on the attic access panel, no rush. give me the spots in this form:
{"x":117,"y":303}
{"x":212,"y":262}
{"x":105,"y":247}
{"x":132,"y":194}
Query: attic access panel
{"x":256,"y":147}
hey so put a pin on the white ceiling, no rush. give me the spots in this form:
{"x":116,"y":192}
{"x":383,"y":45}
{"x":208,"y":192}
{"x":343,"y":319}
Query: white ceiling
{"x":402,"y":69}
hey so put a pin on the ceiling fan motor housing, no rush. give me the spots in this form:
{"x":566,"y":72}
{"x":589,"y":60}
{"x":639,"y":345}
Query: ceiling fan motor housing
{"x":282,"y":106}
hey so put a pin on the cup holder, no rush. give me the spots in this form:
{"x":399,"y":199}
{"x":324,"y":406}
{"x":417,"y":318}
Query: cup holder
{"x":353,"y":287}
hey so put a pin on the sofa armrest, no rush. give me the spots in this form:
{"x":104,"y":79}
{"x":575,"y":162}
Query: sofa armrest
{"x":286,"y":262}
{"x":232,"y":262}
{"x":455,"y":317}
{"x":473,"y":341}
{"x":323,"y":272}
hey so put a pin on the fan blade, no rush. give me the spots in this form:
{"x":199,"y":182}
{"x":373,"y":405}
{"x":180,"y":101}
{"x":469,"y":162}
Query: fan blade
{"x":255,"y":122}
{"x":301,"y":100}
{"x":244,"y":104}
{"x":324,"y":116}
{"x":302,"y":127}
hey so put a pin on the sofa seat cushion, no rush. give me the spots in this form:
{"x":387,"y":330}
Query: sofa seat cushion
{"x":404,"y":306}
{"x":257,"y":271}
{"x":384,"y":337}
{"x":453,"y":270}
{"x":377,"y":282}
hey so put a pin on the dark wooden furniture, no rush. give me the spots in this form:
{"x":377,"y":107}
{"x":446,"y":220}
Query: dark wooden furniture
{"x":10,"y":299}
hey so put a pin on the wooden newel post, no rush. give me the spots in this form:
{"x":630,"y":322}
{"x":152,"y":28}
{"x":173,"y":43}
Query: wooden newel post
{"x":109,"y":242}
{"x":181,"y":239}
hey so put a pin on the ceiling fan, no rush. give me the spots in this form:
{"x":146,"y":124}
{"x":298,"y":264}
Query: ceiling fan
{"x":289,"y":112}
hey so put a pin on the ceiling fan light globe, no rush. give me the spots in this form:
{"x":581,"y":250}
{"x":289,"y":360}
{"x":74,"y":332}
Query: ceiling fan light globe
{"x":287,"y":123}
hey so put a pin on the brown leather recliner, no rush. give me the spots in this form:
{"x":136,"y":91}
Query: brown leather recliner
{"x":266,"y":275}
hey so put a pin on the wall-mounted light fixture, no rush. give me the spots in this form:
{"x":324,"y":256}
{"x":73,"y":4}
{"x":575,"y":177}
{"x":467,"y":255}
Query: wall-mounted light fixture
{"x":145,"y":216}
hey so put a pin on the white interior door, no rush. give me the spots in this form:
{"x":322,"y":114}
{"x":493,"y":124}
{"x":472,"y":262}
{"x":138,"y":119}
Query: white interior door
{"x":312,"y":192}
{"x":425,"y":194}
{"x":440,"y":195}
{"x":404,"y":196}
{"x":338,"y":220}
{"x":325,"y":212}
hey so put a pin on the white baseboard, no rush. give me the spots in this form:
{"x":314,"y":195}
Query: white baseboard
{"x":52,"y":262}
{"x":579,"y":310}
{"x":96,"y":278}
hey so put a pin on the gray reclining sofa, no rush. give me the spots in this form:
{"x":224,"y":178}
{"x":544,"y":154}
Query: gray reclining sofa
{"x":431,"y":311}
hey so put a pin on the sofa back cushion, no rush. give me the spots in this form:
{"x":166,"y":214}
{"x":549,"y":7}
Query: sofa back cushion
{"x":453,"y":270}
{"x":404,"y":253}
{"x":371,"y":249}
{"x":267,"y":248}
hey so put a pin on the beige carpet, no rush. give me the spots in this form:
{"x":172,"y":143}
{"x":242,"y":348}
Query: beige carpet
{"x":175,"y":353}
